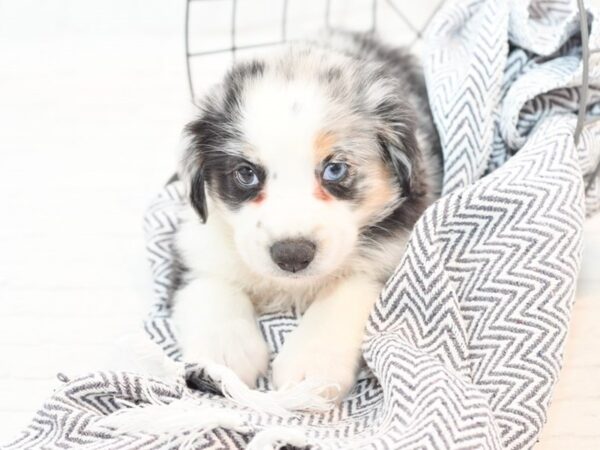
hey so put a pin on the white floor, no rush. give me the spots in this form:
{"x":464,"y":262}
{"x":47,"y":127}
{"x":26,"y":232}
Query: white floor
{"x":89,"y":122}
{"x":91,"y":105}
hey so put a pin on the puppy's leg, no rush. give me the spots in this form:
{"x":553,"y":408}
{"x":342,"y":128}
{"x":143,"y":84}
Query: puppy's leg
{"x":216,"y":321}
{"x":326,"y":345}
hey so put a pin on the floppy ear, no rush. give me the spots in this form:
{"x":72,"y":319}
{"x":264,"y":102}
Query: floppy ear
{"x":191,"y":174}
{"x":398,"y":152}
{"x":198,"y":195}
{"x":396,"y":137}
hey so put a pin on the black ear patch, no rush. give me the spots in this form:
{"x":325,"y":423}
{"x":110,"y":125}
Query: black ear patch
{"x":397,"y":140}
{"x":198,"y":195}
{"x":399,"y":161}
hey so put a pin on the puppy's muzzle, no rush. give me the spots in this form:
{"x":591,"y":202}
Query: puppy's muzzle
{"x":293,"y":255}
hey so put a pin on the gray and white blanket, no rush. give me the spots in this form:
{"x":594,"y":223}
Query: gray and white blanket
{"x":465,"y":344}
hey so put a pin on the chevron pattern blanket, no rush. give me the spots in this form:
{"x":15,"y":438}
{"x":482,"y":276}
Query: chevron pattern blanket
{"x":464,"y":345}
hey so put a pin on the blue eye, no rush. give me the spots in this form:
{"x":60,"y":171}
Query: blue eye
{"x":246,"y":177}
{"x":335,"y":171}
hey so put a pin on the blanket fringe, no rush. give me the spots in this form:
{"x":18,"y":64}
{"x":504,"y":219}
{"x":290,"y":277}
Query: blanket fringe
{"x":149,"y":359}
{"x":305,"y":395}
{"x":182,"y":422}
{"x":276,"y":437}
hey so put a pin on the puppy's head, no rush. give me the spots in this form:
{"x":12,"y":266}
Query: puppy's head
{"x":303,"y":157}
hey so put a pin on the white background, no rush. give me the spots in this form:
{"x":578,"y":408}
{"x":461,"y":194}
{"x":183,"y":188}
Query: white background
{"x":93,"y":96}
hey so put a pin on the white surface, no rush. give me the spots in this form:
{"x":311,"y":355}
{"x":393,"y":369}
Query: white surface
{"x":91,"y":105}
{"x":92,"y":99}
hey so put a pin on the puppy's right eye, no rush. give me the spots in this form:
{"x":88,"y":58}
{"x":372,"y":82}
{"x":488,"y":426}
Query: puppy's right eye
{"x":246,"y":177}
{"x":335,"y":172}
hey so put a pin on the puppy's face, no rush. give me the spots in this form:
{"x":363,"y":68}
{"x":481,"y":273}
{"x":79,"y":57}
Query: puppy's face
{"x":302,"y":157}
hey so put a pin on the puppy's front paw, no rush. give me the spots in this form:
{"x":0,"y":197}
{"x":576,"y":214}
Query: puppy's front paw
{"x":323,"y":363}
{"x":236,"y":343}
{"x":215,"y":321}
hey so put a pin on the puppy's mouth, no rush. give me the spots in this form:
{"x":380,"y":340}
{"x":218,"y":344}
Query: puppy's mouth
{"x":302,"y":275}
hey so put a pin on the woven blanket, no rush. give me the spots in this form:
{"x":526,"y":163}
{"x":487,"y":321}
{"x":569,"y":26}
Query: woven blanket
{"x":464,"y":345}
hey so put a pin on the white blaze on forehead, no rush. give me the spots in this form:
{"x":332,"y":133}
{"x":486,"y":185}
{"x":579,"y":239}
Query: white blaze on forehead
{"x":280,"y":120}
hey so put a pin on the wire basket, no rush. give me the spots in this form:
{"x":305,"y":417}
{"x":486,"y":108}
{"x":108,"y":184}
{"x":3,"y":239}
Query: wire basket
{"x":407,"y":31}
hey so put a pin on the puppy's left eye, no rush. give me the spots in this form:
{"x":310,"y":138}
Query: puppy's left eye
{"x":335,"y":171}
{"x":246,"y":177}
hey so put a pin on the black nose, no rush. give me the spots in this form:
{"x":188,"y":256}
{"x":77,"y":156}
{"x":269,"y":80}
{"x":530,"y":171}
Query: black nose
{"x":293,"y":255}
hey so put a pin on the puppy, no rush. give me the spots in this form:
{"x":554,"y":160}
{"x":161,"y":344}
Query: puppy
{"x":306,"y":172}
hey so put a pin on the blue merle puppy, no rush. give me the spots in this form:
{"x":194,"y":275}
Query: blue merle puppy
{"x":306,"y":172}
